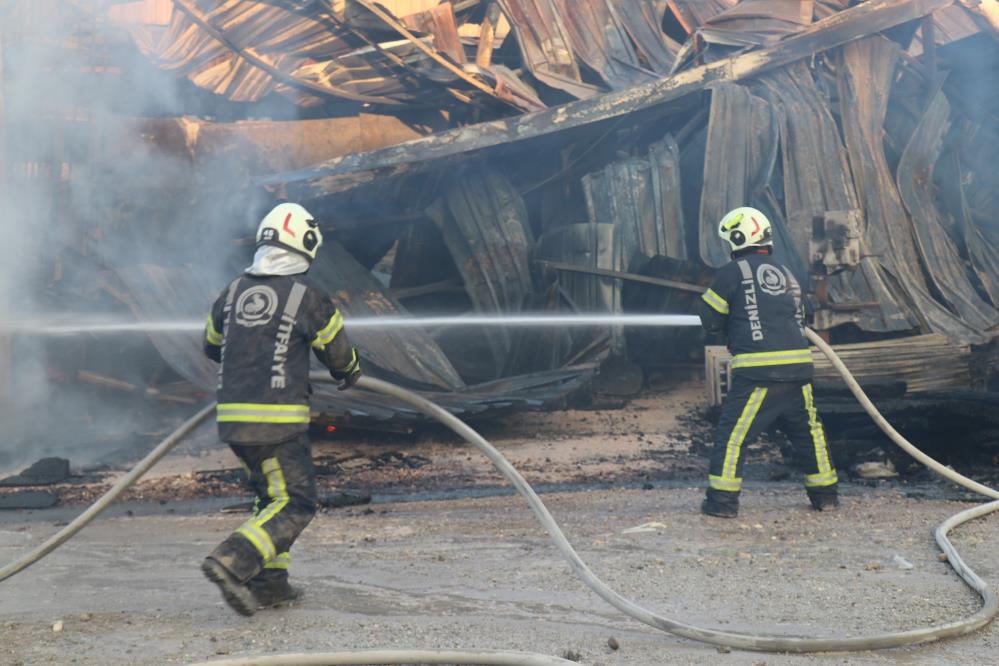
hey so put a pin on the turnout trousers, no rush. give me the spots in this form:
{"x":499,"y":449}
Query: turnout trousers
{"x":284,"y":480}
{"x":750,"y":408}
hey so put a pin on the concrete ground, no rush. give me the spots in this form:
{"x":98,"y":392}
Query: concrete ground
{"x":479,"y":573}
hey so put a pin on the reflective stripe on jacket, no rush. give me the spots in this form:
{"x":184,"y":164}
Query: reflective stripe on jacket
{"x":756,"y":302}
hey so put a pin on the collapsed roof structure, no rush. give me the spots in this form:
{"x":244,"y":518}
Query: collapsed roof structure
{"x":500,"y":156}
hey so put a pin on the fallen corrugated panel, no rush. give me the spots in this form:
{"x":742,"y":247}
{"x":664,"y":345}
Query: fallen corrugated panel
{"x":867,"y":70}
{"x":740,"y":158}
{"x":455,"y":145}
{"x":158,"y":293}
{"x":546,"y":46}
{"x":941,"y":259}
{"x":816,"y":180}
{"x":485,"y":227}
{"x":535,"y":391}
{"x":643,"y":19}
{"x":756,"y":22}
{"x":245,"y":49}
{"x":692,"y":14}
{"x":407,"y":355}
{"x":600,"y":41}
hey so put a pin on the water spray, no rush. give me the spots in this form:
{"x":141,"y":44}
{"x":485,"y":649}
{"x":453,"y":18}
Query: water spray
{"x":61,"y":325}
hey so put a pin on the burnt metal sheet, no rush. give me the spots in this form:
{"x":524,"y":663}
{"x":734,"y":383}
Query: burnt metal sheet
{"x":599,"y":40}
{"x":643,"y":20}
{"x":524,"y":392}
{"x":981,"y":243}
{"x":403,"y":355}
{"x":756,"y":22}
{"x":486,"y":230}
{"x":546,"y":46}
{"x":740,"y":158}
{"x":692,"y":14}
{"x":942,"y":262}
{"x":816,"y":180}
{"x":664,"y":158}
{"x":592,"y":245}
{"x":159,"y":293}
{"x":641,"y":198}
{"x":868,"y":66}
{"x":622,"y":194}
{"x":455,"y":145}
{"x":246,"y":49}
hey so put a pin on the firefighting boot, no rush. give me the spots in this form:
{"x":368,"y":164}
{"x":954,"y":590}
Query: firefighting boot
{"x":236,"y":594}
{"x":825,"y":498}
{"x":272,"y":589}
{"x":721,"y":504}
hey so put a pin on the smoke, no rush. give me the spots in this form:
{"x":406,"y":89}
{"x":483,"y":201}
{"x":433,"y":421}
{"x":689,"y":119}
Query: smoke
{"x":98,"y":180}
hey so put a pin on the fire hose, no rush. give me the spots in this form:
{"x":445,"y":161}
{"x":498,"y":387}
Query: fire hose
{"x":744,"y":641}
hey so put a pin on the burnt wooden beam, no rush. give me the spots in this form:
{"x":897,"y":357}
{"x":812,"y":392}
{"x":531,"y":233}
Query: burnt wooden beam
{"x":848,"y":25}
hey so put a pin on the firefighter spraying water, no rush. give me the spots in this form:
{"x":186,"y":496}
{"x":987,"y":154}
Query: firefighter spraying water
{"x":756,"y":304}
{"x":260,"y":330}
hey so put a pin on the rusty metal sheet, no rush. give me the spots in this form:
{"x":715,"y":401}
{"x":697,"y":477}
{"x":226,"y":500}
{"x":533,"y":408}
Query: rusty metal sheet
{"x":486,"y":230}
{"x":817,"y":180}
{"x":868,"y":66}
{"x":943,"y":264}
{"x":458,"y":144}
{"x":643,"y":19}
{"x":402,"y":355}
{"x":740,"y":158}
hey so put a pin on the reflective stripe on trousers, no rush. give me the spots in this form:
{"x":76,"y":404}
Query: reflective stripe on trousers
{"x":727,"y":480}
{"x":826,"y":475}
{"x":253,"y":529}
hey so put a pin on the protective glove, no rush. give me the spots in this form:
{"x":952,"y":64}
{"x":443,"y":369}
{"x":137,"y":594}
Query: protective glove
{"x":350,"y":377}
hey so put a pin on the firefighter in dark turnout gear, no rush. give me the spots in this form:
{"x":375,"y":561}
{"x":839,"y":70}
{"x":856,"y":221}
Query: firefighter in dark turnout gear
{"x":756,"y":303}
{"x":261,"y":330}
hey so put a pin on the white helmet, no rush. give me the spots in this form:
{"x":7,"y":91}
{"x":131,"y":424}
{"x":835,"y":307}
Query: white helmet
{"x":745,"y":227}
{"x":290,"y":226}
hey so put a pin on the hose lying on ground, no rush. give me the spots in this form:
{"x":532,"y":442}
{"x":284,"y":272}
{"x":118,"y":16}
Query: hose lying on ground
{"x":766,"y":643}
{"x":133,"y":475}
